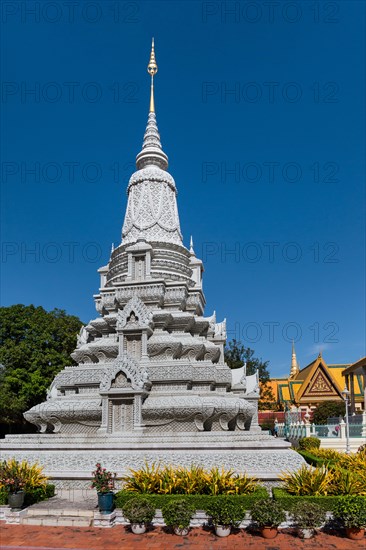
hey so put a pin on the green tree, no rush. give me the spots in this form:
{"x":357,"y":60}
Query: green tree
{"x":327,"y":409}
{"x":34,"y":346}
{"x":236,"y":354}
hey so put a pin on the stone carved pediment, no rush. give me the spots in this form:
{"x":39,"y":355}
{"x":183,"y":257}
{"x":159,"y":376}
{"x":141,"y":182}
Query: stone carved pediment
{"x":121,"y":381}
{"x":130,"y":368}
{"x":134,"y":314}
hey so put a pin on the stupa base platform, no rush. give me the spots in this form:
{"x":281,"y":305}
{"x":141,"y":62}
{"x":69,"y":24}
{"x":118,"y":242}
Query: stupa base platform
{"x":69,"y":460}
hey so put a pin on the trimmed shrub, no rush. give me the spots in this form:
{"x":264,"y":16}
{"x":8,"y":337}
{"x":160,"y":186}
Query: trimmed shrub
{"x":308,"y":515}
{"x":178,"y":513}
{"x":138,"y":510}
{"x":38,"y":494}
{"x":200,"y":502}
{"x":311,"y":458}
{"x":224,"y":511}
{"x":351,"y":511}
{"x":268,"y":513}
{"x":307,"y":443}
{"x":288,"y":501}
{"x":3,"y":496}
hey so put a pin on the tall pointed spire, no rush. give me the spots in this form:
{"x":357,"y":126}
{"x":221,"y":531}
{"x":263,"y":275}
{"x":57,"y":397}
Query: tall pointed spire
{"x":152,"y":212}
{"x":294,"y":363}
{"x":152,"y":151}
{"x":152,"y":69}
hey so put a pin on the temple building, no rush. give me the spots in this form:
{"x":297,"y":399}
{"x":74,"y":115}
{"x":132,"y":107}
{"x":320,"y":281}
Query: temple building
{"x":318,"y":382}
{"x":150,"y":382}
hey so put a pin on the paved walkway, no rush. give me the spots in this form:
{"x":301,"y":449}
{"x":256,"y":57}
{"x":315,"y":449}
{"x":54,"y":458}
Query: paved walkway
{"x":88,"y":538}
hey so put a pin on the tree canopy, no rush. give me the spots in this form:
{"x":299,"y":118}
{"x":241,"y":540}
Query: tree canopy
{"x":35,"y":345}
{"x":328,"y":409}
{"x":236,"y":354}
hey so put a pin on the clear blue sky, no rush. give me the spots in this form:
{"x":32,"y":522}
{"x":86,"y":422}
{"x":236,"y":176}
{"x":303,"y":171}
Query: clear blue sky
{"x":261,"y":111}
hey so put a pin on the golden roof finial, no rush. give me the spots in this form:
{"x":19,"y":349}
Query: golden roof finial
{"x":152,"y":69}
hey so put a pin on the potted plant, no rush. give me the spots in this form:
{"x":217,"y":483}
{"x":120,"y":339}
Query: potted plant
{"x":13,"y":483}
{"x":224,"y":514}
{"x":307,"y":516}
{"x":178,"y":514}
{"x":268,"y":514}
{"x":103,"y":482}
{"x":350,"y":511}
{"x":139,"y":513}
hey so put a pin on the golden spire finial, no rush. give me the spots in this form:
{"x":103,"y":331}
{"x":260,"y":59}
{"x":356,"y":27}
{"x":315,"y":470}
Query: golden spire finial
{"x":152,"y":69}
{"x":294,"y":364}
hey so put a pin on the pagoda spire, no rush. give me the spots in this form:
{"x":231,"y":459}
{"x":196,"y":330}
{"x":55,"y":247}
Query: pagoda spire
{"x":152,"y":152}
{"x":294,"y":364}
{"x":152,"y":69}
{"x":152,"y":211}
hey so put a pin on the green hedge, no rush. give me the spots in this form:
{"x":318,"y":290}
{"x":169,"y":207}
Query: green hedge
{"x":39,"y":494}
{"x":312,"y":459}
{"x":200,"y":502}
{"x":288,"y":501}
{"x":31,"y":497}
{"x":3,"y":497}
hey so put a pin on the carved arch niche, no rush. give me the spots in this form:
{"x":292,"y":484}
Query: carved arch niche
{"x":133,"y":328}
{"x":122,"y":390}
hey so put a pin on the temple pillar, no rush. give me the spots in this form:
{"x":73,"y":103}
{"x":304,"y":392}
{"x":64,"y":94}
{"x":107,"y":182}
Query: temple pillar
{"x":121,"y":344}
{"x":352,"y":395}
{"x":144,"y":345}
{"x":104,"y":425}
{"x":137,"y":412}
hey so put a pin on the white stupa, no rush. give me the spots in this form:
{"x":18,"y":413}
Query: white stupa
{"x":151,"y":383}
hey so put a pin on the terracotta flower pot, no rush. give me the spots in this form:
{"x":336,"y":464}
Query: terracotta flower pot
{"x":269,"y":532}
{"x":355,"y":533}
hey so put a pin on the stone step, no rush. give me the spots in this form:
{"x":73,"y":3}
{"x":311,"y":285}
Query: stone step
{"x":55,"y":520}
{"x":69,"y":512}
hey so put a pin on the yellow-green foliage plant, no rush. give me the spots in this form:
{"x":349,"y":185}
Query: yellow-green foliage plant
{"x":157,"y":479}
{"x":347,"y":482}
{"x":326,"y":454}
{"x":144,"y":480}
{"x":220,"y":482}
{"x":190,"y":481}
{"x":31,"y":474}
{"x":308,"y":481}
{"x":354,"y":462}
